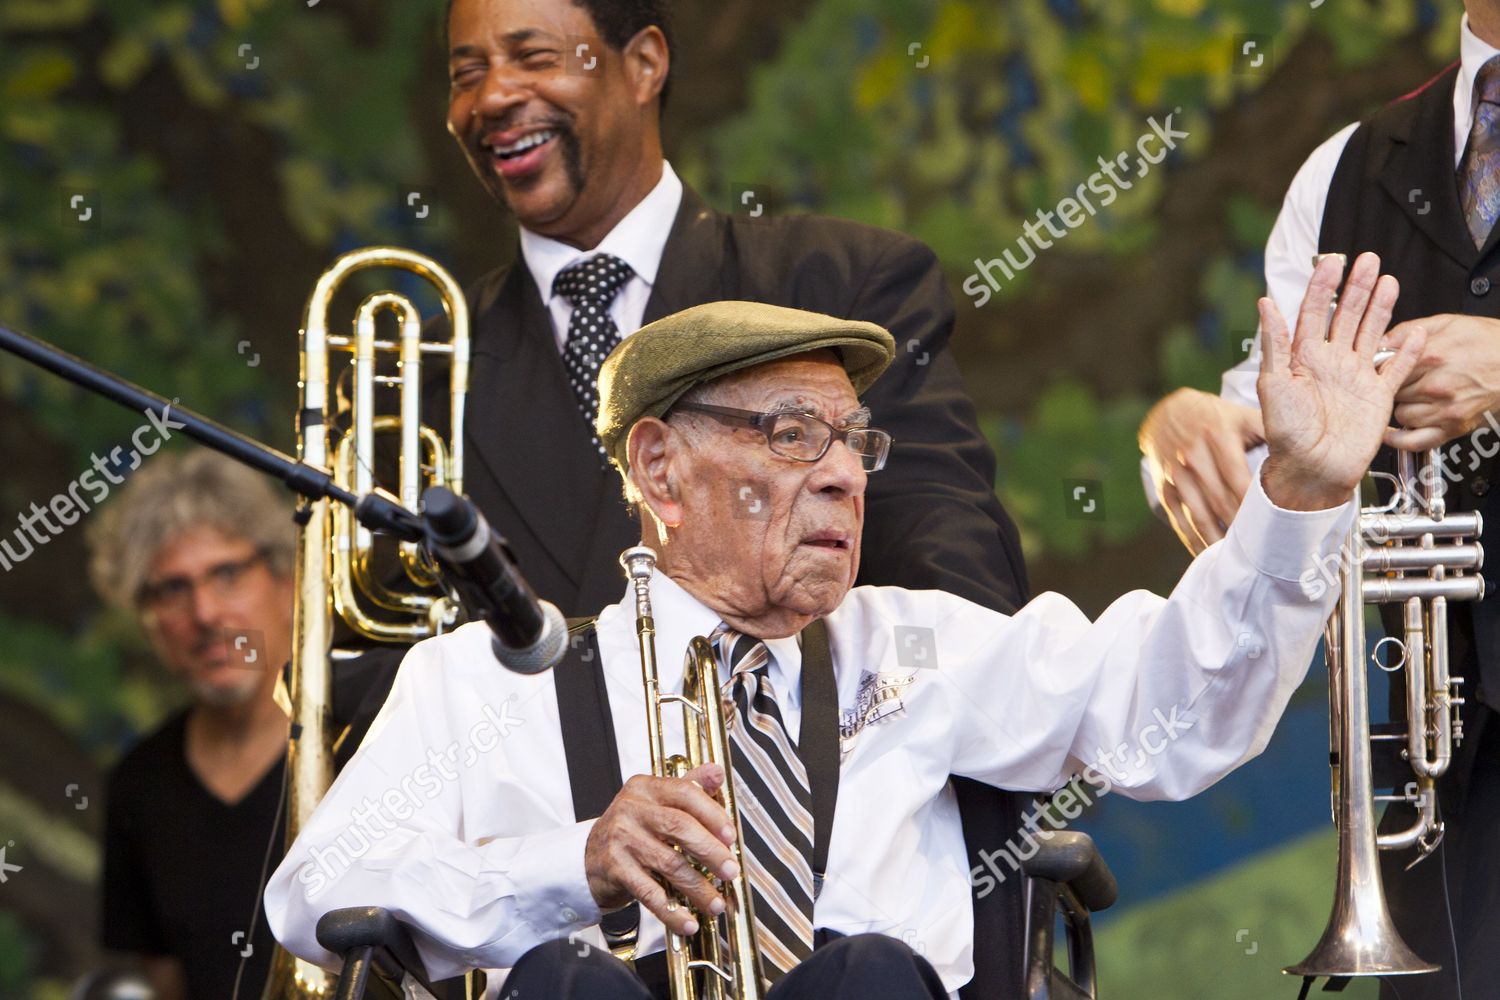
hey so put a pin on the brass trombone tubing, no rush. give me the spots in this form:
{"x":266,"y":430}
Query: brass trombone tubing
{"x":353,"y":581}
{"x":326,"y":545}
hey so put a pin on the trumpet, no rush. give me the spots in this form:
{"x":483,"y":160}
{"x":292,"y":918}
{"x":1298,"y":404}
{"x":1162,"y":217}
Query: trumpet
{"x":721,"y":960}
{"x":1411,"y":552}
{"x":335,"y":555}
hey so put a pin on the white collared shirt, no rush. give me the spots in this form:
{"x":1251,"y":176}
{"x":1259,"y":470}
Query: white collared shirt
{"x":456,"y":813}
{"x":638,"y":239}
{"x":1294,"y":238}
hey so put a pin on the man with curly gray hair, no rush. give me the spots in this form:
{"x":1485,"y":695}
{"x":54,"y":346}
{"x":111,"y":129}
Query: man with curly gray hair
{"x":201,"y":551}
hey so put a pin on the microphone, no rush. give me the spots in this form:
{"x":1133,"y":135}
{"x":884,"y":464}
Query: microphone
{"x":530,"y":634}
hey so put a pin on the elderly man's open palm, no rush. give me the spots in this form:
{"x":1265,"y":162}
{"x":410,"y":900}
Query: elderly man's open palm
{"x":1325,"y":405}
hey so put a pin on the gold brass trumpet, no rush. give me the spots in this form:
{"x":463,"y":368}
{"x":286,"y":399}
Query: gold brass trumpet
{"x":722,"y":960}
{"x":1411,"y":552}
{"x":335,"y":555}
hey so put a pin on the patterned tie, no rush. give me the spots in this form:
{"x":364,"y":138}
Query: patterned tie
{"x":1479,"y":172}
{"x":775,"y":805}
{"x":591,"y":286}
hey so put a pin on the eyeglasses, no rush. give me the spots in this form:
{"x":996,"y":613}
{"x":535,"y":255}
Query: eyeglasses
{"x":801,"y":436}
{"x":175,"y":594}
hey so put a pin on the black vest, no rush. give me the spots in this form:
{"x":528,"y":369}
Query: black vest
{"x":1395,"y":192}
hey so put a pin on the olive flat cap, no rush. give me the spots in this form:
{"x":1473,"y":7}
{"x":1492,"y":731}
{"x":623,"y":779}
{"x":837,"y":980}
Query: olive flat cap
{"x":652,"y":368}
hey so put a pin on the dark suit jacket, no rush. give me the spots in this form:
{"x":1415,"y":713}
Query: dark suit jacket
{"x":932,"y":519}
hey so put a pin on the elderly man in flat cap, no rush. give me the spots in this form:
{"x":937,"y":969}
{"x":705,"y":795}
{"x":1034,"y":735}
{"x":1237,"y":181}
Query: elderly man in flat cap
{"x":507,"y":838}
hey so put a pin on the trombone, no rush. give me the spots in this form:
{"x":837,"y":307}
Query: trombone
{"x":336,"y":564}
{"x":721,"y":960}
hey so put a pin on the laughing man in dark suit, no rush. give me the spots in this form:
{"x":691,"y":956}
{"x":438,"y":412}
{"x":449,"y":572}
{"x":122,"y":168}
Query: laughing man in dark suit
{"x":557,"y":106}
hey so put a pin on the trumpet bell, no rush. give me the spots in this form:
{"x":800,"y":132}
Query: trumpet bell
{"x":1360,"y":939}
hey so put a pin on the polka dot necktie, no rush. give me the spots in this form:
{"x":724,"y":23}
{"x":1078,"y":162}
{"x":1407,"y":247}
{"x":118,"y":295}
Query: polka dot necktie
{"x":1479,"y":171}
{"x":591,"y":285}
{"x":775,"y":805}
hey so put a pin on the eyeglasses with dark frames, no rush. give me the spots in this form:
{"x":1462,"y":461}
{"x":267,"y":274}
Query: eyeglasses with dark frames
{"x":175,"y":593}
{"x":802,"y":437}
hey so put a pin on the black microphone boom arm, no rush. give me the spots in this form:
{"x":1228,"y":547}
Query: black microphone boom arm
{"x":377,"y":511}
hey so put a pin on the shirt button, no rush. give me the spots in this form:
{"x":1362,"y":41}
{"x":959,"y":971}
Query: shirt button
{"x":1479,"y":486}
{"x":1480,"y":285}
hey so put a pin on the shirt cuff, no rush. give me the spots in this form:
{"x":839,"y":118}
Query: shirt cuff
{"x":1148,"y":486}
{"x":554,"y":897}
{"x":1285,"y":544}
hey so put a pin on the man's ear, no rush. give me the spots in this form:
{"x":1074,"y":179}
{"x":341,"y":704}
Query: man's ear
{"x":650,"y":450}
{"x":646,"y":63}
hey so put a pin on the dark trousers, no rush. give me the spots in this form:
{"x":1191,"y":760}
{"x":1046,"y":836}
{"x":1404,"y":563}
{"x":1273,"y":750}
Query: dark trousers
{"x":859,"y":967}
{"x":1456,"y":925}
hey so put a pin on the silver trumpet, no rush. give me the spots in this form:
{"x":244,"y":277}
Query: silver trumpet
{"x":1410,"y":551}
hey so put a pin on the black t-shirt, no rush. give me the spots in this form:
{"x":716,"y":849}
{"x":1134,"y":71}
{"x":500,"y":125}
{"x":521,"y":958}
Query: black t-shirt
{"x":182,"y":867}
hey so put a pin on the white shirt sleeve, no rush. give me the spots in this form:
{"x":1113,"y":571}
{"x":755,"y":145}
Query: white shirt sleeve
{"x":1288,"y":268}
{"x":395,"y":818}
{"x":1158,"y":697}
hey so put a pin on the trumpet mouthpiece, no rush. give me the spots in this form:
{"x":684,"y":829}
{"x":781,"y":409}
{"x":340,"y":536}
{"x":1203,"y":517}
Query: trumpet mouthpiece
{"x":639,"y":562}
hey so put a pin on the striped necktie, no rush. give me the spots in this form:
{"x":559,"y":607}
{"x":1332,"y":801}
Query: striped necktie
{"x":1479,"y":172}
{"x":775,"y":805}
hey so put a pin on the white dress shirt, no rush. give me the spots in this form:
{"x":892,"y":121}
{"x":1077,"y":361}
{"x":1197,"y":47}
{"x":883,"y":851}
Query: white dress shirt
{"x":638,"y":239}
{"x":461,"y":785}
{"x":1294,"y":238}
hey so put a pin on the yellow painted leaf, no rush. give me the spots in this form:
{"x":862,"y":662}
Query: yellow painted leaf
{"x":38,"y":129}
{"x":879,"y":81}
{"x":42,"y":15}
{"x":124,"y":60}
{"x":958,"y":28}
{"x":41,"y":74}
{"x":173,"y":22}
{"x":1181,"y":8}
{"x":1090,"y":80}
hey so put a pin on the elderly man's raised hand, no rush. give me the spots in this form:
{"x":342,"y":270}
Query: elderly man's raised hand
{"x":1324,"y":404}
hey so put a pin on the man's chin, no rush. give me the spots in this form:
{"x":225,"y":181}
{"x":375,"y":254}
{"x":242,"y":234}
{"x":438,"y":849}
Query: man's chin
{"x":816,"y":596}
{"x":538,"y":202}
{"x":227,"y":694}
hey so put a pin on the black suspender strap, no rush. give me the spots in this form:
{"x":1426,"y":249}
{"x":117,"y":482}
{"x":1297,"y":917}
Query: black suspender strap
{"x":588,"y":732}
{"x":818,"y":741}
{"x":593,"y":757}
